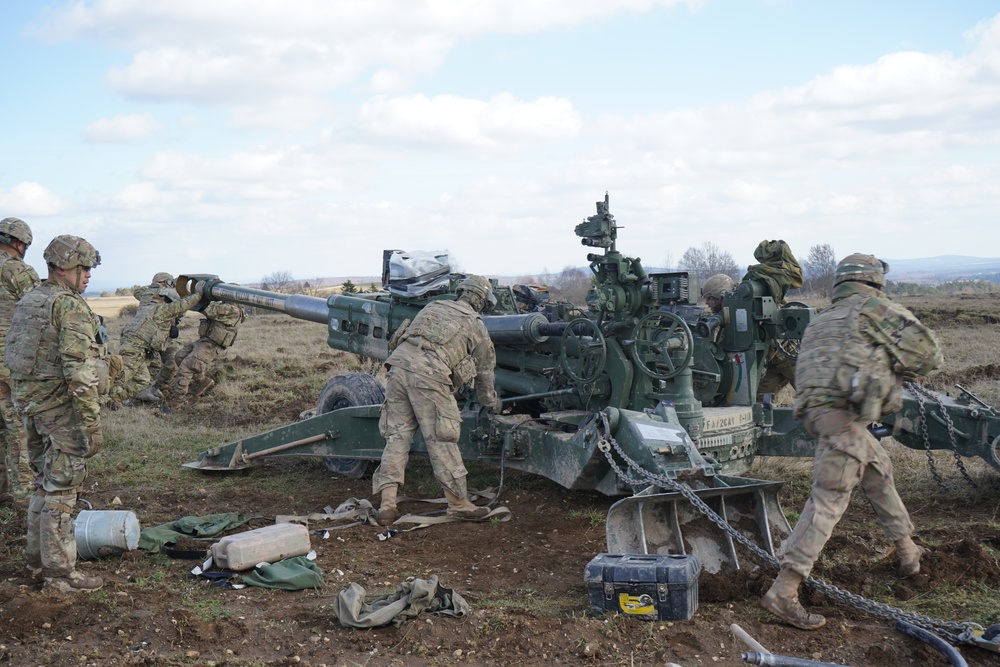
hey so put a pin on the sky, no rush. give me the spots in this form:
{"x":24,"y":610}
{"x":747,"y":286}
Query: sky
{"x":249,"y":137}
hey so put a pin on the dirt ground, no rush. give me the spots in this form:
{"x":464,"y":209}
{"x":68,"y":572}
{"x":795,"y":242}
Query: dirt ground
{"x":522,"y":578}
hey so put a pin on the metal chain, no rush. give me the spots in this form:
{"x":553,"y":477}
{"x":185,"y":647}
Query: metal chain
{"x":919,"y":392}
{"x":948,"y":629}
{"x":925,"y":435}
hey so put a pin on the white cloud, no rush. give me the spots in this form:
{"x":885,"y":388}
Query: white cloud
{"x":284,"y":113}
{"x":122,"y":128}
{"x":883,"y":157}
{"x":501,"y":123}
{"x":250,"y":50}
{"x":28,"y":199}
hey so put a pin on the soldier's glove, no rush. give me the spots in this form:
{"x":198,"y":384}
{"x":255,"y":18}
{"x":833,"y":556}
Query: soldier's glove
{"x":174,"y":331}
{"x":905,"y":375}
{"x":495,"y":408}
{"x":95,"y":439}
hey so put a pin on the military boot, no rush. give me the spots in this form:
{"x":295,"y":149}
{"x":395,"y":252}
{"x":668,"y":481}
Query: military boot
{"x":74,"y":582}
{"x":387,"y":512}
{"x":463,"y":508}
{"x":201,"y":388}
{"x":909,"y":557}
{"x":782,"y":600}
{"x":148,"y":395}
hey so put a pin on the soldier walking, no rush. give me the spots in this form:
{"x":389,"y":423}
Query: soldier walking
{"x":849,"y":374}
{"x":54,"y":350}
{"x":445,"y":347}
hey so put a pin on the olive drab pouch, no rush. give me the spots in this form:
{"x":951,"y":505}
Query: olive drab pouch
{"x":217,"y":332}
{"x":463,"y":373}
{"x":873,"y":386}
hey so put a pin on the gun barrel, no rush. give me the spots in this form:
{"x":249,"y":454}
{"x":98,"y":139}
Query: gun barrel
{"x":300,"y":306}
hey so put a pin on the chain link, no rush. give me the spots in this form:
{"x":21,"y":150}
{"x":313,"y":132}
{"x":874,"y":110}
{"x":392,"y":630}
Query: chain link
{"x":919,"y":393}
{"x":925,"y":435}
{"x":949,"y":630}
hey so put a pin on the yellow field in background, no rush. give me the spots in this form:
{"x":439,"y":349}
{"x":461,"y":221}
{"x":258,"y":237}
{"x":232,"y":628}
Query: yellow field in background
{"x":109,"y":306}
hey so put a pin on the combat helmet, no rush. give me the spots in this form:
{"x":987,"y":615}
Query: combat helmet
{"x":861,"y":268}
{"x":716,"y":286}
{"x":66,"y":251}
{"x":478,"y":285}
{"x":163,"y":277}
{"x":15,"y":229}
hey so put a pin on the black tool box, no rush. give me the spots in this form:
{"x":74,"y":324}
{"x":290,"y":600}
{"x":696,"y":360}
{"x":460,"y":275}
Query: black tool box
{"x":649,"y":587}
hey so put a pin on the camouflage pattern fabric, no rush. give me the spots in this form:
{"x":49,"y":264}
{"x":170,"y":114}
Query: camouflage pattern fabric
{"x":61,"y":414}
{"x":778,"y":268}
{"x":854,"y":349}
{"x":440,"y":339}
{"x":194,"y":359}
{"x":16,"y":280}
{"x":424,"y":373}
{"x":163,"y":366}
{"x":847,"y":455}
{"x":412,"y":401}
{"x":779,"y":371}
{"x":143,"y":339}
{"x":862,"y":339}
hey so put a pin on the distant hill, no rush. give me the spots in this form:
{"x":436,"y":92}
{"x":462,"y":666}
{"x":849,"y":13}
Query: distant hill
{"x":944,"y":268}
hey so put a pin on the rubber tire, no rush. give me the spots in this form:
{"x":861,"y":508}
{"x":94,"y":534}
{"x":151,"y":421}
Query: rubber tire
{"x":347,"y":391}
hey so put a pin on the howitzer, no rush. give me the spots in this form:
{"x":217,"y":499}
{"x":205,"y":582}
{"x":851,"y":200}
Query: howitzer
{"x":640,"y":390}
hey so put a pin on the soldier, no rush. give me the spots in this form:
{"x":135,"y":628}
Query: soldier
{"x":143,"y":339}
{"x":713,"y":289}
{"x":445,"y":347}
{"x":216,"y":333}
{"x":849,"y":373}
{"x":780,"y":271}
{"x":53,"y":351}
{"x":163,"y":366}
{"x":16,"y":280}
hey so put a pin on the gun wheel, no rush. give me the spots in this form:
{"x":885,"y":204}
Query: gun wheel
{"x":593,"y":350}
{"x":650,"y":345}
{"x":347,"y":391}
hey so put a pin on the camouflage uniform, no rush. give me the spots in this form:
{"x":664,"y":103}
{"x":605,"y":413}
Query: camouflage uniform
{"x":54,"y":350}
{"x":216,"y":333}
{"x":779,"y":371}
{"x":163,"y":366}
{"x":445,"y":347}
{"x":144,"y":338}
{"x":780,"y":271}
{"x":846,"y":378}
{"x":16,"y":280}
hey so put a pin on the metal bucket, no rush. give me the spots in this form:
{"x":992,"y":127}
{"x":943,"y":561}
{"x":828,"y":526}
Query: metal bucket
{"x":105,"y":532}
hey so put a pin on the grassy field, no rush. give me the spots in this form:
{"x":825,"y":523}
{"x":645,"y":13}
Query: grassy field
{"x":524,"y":578}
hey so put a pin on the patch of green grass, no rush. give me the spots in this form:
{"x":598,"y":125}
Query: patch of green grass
{"x":970,"y":601}
{"x":528,"y":600}
{"x":106,"y":599}
{"x":208,"y":610}
{"x":151,"y":582}
{"x":595,"y":517}
{"x":495,"y":624}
